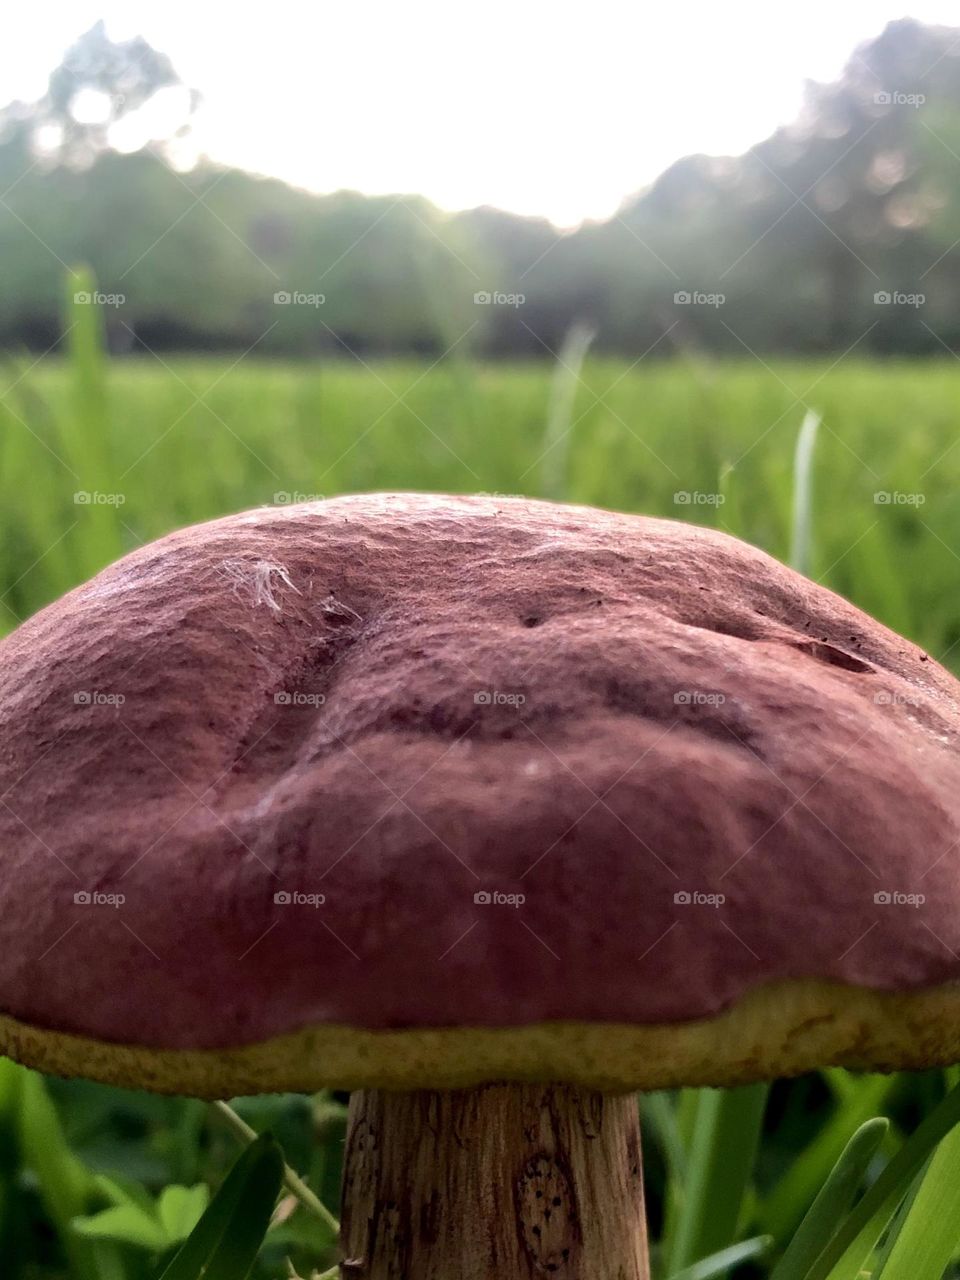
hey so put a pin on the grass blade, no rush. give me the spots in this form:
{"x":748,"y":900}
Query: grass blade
{"x":85,"y":438}
{"x":832,"y":1202}
{"x":684,"y":1109}
{"x":879,"y":1259}
{"x":563,"y":395}
{"x":720,"y":1263}
{"x":928,"y":1236}
{"x":66,"y":1185}
{"x":803,"y":493}
{"x":225,"y":1242}
{"x":857,"y":1236}
{"x":719,"y":1171}
{"x":783,"y":1208}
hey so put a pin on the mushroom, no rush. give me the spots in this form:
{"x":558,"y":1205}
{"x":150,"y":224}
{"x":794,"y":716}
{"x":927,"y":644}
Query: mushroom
{"x":492,"y":811}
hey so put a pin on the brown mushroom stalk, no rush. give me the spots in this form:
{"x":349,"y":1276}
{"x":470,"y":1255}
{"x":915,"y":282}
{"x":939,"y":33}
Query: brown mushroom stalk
{"x":506,"y":1180}
{"x":492,"y":811}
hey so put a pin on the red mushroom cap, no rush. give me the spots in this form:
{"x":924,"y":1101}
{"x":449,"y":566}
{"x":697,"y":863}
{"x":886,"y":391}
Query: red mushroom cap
{"x":422,"y":790}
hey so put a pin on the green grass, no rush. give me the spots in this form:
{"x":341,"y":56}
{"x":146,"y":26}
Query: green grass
{"x":188,"y":439}
{"x":171,"y":442}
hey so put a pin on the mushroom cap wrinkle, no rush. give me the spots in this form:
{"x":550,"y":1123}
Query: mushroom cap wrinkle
{"x":424,"y":791}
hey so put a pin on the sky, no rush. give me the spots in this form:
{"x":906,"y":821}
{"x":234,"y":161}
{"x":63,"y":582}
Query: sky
{"x":540,"y":108}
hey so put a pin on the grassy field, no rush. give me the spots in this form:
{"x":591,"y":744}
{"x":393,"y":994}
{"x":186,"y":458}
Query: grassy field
{"x":154,"y":444}
{"x":165,"y":443}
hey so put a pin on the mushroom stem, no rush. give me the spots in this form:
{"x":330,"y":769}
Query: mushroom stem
{"x":501,"y":1182}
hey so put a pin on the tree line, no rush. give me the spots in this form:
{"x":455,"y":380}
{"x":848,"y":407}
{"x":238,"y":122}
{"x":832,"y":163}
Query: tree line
{"x":839,"y":230}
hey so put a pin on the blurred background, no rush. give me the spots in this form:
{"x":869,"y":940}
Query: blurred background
{"x":702,"y":263}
